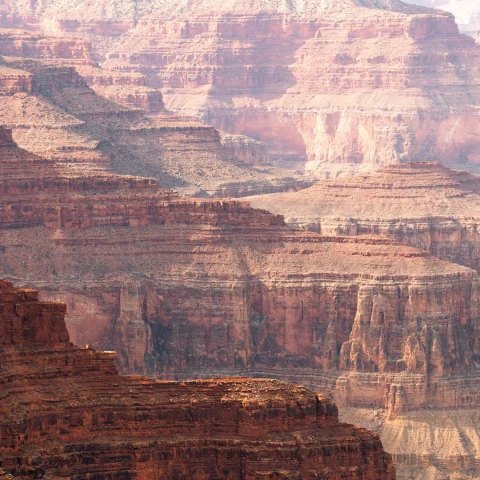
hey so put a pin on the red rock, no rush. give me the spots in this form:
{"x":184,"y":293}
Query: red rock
{"x":65,"y":412}
{"x":141,"y":270}
{"x":188,"y":288}
{"x":336,"y":87}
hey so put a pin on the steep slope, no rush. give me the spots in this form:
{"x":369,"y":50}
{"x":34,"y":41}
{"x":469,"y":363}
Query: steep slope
{"x":425,"y":205}
{"x":179,"y":286}
{"x":66,"y":413}
{"x":56,"y":115}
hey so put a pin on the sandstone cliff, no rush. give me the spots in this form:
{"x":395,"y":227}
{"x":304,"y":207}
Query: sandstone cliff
{"x":425,"y":205}
{"x":66,"y":413}
{"x":188,"y":288}
{"x":467,"y":13}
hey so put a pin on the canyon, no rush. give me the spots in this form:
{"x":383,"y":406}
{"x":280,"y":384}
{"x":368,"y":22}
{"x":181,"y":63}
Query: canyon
{"x":188,"y":288}
{"x":116,"y":111}
{"x":66,"y":413}
{"x":327,"y":88}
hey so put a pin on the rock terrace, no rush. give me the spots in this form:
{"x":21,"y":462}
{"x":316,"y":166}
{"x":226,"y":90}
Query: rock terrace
{"x":425,"y":205}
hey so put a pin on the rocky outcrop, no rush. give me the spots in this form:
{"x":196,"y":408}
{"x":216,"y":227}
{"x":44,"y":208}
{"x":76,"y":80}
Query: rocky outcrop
{"x":129,"y":89}
{"x":466,"y":13}
{"x":246,"y":149}
{"x":21,"y":43}
{"x":425,"y":205}
{"x":66,"y":412}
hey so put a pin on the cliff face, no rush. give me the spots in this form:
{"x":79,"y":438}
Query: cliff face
{"x":466,"y":13}
{"x":57,"y":116}
{"x":424,"y":205}
{"x":182,"y":287}
{"x":186,"y":288}
{"x":332,"y":87}
{"x":432,"y":207}
{"x":66,"y":412}
{"x":21,"y":43}
{"x":337,"y":89}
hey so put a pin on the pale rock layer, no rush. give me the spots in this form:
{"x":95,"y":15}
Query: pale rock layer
{"x":425,"y":205}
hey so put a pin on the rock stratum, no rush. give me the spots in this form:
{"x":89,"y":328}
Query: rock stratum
{"x":184,"y":287}
{"x":429,"y":206}
{"x":188,"y":288}
{"x":122,"y":125}
{"x":331,"y":87}
{"x":466,"y":12}
{"x":425,"y":205}
{"x":66,"y":413}
{"x":328,"y":87}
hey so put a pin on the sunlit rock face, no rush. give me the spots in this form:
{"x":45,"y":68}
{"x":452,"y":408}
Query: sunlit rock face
{"x":328,"y":87}
{"x":184,"y":288}
{"x":65,"y":412}
{"x":425,"y":205}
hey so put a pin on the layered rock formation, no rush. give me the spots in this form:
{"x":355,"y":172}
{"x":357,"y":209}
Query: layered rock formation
{"x":66,"y":413}
{"x":336,"y":88}
{"x":467,"y":13}
{"x":182,"y":287}
{"x":427,"y":444}
{"x":57,"y":116}
{"x":425,"y":205}
{"x":186,"y":288}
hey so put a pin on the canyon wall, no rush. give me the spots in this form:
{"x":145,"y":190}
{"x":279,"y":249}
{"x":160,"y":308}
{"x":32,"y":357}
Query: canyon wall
{"x":65,"y":412}
{"x":57,"y":116}
{"x":193,"y":288}
{"x":184,"y":287}
{"x":425,"y":205}
{"x":327,"y":87}
{"x":332,"y":89}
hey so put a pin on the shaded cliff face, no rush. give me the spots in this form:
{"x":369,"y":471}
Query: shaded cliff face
{"x":425,"y":205}
{"x":66,"y":412}
{"x":58,"y":116}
